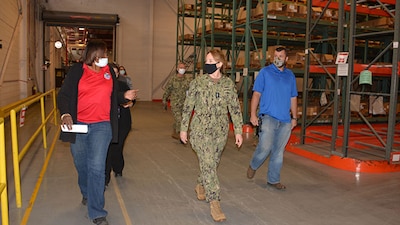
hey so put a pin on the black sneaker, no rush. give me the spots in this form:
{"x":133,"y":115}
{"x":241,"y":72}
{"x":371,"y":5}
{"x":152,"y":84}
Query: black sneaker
{"x":84,"y":201}
{"x":100,"y":221}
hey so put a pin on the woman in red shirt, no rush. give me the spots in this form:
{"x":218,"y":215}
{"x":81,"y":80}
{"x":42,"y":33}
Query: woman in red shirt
{"x":89,"y":96}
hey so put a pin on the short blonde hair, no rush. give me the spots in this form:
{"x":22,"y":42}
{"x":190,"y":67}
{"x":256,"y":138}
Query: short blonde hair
{"x":219,"y":57}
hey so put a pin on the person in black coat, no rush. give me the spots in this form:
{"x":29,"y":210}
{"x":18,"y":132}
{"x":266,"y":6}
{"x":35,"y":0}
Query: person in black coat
{"x":115,"y":158}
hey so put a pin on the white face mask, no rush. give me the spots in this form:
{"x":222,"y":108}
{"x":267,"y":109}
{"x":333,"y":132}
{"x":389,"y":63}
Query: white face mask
{"x":102,"y":62}
{"x":122,"y":72}
{"x":181,"y":71}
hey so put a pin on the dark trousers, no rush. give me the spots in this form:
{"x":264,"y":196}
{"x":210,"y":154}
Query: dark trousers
{"x":115,"y":157}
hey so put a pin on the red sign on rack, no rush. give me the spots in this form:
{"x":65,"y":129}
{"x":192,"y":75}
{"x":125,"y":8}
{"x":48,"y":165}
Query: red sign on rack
{"x":342,"y":58}
{"x":22,"y":117}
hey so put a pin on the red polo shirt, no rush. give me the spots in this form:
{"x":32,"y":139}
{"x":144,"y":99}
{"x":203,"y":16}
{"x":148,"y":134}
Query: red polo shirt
{"x":94,"y":95}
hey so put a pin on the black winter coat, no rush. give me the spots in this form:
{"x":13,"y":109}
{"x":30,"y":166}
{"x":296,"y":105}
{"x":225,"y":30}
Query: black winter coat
{"x":67,"y":100}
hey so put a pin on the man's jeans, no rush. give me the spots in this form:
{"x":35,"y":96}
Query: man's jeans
{"x":273,"y":137}
{"x":90,"y":152}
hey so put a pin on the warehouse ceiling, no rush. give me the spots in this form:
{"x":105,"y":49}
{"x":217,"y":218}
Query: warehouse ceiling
{"x":75,"y":38}
{"x":76,"y":29}
{"x":78,"y":36}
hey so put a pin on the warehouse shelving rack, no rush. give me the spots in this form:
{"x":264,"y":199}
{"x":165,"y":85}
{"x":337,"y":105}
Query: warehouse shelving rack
{"x":206,"y":16}
{"x":333,"y":36}
{"x":242,"y":38}
{"x":380,"y":144}
{"x":201,"y":36}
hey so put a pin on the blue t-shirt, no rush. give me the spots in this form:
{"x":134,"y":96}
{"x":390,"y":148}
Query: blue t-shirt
{"x":276,"y":88}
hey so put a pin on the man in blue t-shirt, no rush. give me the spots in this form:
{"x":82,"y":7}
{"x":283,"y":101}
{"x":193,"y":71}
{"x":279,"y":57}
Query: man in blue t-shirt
{"x":275,"y":92}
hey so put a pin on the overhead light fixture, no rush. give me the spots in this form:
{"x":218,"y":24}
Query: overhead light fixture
{"x":58,"y":44}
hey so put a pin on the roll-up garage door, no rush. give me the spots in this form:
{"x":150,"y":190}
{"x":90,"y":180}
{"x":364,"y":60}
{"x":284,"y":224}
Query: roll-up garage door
{"x":57,"y":18}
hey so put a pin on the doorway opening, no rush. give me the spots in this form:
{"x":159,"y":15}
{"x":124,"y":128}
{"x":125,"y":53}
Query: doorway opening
{"x":66,"y":35}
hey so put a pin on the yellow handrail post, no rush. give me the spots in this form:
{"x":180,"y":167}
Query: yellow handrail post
{"x":3,"y":175}
{"x":14,"y":144}
{"x":18,"y":154}
{"x":55,"y":107}
{"x":43,"y":112}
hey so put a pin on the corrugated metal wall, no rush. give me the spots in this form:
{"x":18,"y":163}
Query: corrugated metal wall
{"x":18,"y":55}
{"x":10,"y":23}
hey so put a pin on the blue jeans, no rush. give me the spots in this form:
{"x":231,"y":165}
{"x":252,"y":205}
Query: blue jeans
{"x":273,"y":137}
{"x":89,"y":152}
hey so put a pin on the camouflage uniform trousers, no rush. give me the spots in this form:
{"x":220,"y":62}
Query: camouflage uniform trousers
{"x":176,"y":110}
{"x":209,"y":148}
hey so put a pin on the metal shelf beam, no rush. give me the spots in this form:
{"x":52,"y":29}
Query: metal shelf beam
{"x":359,"y":9}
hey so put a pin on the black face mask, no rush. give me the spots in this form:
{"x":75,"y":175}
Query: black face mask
{"x":210,"y":68}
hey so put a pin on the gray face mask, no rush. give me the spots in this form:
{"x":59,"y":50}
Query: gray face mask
{"x":279,"y":62}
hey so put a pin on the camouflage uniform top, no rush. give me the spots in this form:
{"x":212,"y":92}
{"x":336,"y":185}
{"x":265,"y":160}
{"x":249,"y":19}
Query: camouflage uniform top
{"x":211,"y":102}
{"x":176,"y":89}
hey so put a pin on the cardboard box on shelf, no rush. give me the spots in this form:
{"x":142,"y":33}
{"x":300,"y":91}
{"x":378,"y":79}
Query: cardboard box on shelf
{"x":228,"y":26}
{"x":241,"y":14}
{"x":189,"y":6}
{"x":217,"y":26}
{"x":302,"y":10}
{"x":301,"y":58}
{"x":255,"y":57}
{"x":329,"y":14}
{"x":299,"y":85}
{"x":275,"y":7}
{"x":240,"y":60}
{"x":328,"y":59}
{"x":310,"y":111}
{"x":258,"y":11}
{"x":290,"y":8}
{"x":314,"y":58}
{"x":198,"y":65}
{"x":316,"y":12}
{"x":186,"y":37}
{"x":384,"y":22}
{"x":287,"y":34}
{"x":386,"y":106}
{"x":292,"y":61}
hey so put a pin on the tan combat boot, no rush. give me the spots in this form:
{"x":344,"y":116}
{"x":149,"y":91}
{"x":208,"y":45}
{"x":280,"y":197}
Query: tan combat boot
{"x":216,"y":211}
{"x":201,"y":193}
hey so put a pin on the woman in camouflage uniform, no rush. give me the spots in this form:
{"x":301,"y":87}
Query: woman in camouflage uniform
{"x":212,"y":96}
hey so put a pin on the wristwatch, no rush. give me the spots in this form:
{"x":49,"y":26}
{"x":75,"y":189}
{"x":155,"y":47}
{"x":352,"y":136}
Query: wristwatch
{"x":295,"y":118}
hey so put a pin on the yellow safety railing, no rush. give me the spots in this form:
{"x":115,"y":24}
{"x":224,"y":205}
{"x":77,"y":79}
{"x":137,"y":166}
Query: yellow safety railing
{"x":3,"y":175}
{"x":7,"y":108}
{"x":18,"y":154}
